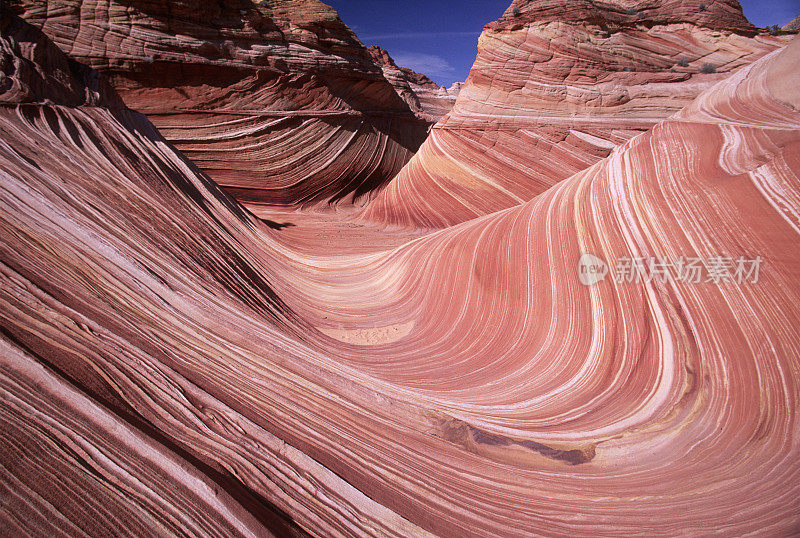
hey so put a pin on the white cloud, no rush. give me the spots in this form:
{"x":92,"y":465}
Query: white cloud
{"x":434,"y":66}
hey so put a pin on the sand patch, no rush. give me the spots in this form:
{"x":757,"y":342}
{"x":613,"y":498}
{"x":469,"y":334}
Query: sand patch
{"x":370,"y":336}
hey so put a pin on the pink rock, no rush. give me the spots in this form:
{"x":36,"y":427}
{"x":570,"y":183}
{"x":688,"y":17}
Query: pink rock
{"x":557,"y":85}
{"x":792,"y":26}
{"x":171,"y":365}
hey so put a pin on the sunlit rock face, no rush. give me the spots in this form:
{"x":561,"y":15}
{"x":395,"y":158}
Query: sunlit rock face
{"x":277,"y":101}
{"x":426,"y":98}
{"x":557,"y":85}
{"x":169,"y":364}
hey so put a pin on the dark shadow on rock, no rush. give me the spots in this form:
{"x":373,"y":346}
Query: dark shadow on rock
{"x":277,"y":225}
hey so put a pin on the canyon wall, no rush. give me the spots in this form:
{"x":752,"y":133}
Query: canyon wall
{"x":277,"y":101}
{"x":555,"y":87}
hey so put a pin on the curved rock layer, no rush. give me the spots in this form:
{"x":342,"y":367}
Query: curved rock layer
{"x":164,"y":354}
{"x":557,"y":85}
{"x":277,"y":101}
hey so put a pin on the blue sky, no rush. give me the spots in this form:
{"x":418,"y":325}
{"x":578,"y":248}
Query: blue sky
{"x":440,"y":37}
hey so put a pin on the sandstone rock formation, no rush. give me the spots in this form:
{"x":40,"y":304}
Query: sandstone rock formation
{"x":171,"y":365}
{"x":277,"y":101}
{"x":557,"y":85}
{"x":33,"y":70}
{"x":429,"y":100}
{"x":792,"y":26}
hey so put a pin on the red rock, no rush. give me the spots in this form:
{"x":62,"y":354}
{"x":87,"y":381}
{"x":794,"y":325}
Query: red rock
{"x":556,"y":85}
{"x":170,"y":365}
{"x":278,"y":102}
{"x":429,"y":100}
{"x":33,"y":70}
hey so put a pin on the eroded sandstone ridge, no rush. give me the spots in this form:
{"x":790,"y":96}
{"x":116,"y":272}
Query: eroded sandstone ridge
{"x":426,"y":98}
{"x":792,"y":26}
{"x":169,"y":364}
{"x":557,"y":85}
{"x":277,"y":101}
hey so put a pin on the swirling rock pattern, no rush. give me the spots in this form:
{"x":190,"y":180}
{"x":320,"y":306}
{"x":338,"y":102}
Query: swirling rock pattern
{"x":277,"y":101}
{"x":557,"y":85}
{"x":169,"y":361}
{"x":104,"y":224}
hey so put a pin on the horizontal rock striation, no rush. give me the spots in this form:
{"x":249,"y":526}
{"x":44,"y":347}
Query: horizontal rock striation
{"x":556,"y":86}
{"x":36,"y":71}
{"x":277,"y":101}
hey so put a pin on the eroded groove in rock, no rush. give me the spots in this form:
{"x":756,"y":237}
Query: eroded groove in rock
{"x":556,"y":85}
{"x":279,"y":102}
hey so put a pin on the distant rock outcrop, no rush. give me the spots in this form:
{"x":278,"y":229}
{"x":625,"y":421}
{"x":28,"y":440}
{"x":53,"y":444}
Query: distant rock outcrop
{"x":792,"y":26}
{"x":278,"y":101}
{"x":429,"y":100}
{"x":557,"y":85}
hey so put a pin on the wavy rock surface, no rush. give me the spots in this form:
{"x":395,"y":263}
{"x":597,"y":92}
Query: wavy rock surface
{"x":555,"y":87}
{"x":169,"y":361}
{"x":277,"y":101}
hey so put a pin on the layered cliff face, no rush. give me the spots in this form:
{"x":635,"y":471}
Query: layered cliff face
{"x":426,"y":98}
{"x":556,"y":86}
{"x":277,"y":101}
{"x":33,"y":70}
